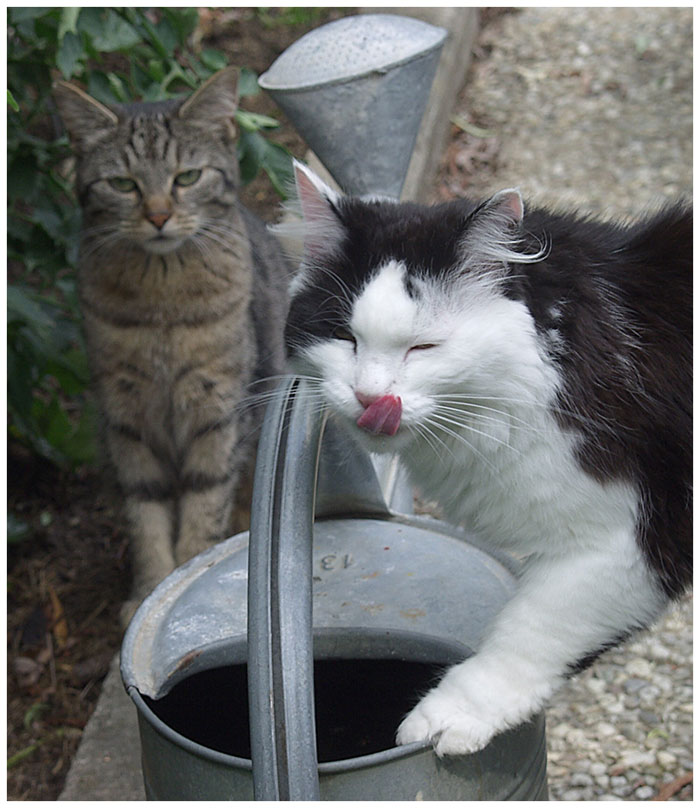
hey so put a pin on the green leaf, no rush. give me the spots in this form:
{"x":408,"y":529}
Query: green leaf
{"x":68,"y":22}
{"x":11,"y":102}
{"x":177,"y":74}
{"x":252,"y":121}
{"x":156,"y":70}
{"x":154,"y":92}
{"x":21,"y":307}
{"x":213,"y":59}
{"x":19,"y":14}
{"x":251,"y":147}
{"x":100,"y":87}
{"x":167,"y":35}
{"x":82,"y":445}
{"x":277,"y":164}
{"x":51,"y":221}
{"x":118,"y":87}
{"x":57,"y":424}
{"x":70,"y":369}
{"x":183,"y":20}
{"x":247,"y":82}
{"x":70,"y":52}
{"x":147,"y":30}
{"x":108,"y":31}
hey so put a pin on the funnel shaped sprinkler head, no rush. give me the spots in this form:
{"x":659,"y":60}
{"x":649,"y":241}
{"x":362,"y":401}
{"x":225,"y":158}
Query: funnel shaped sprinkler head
{"x":356,"y":90}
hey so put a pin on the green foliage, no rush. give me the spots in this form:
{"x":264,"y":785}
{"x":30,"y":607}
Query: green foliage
{"x":119,"y":54}
{"x":271,"y":16}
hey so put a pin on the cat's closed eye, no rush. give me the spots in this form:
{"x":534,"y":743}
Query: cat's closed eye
{"x":123,"y":184}
{"x":344,"y":334}
{"x":186,"y":178}
{"x":423,"y":347}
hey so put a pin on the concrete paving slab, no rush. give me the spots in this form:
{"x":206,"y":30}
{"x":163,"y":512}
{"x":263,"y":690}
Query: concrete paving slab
{"x":107,"y":765}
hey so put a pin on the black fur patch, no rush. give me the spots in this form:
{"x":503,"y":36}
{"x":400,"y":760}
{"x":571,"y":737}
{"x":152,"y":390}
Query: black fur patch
{"x":613,"y":305}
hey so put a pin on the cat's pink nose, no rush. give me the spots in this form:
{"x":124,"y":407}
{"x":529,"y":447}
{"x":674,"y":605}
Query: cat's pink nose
{"x":158,"y":217}
{"x":365,"y":400}
{"x":382,"y":416}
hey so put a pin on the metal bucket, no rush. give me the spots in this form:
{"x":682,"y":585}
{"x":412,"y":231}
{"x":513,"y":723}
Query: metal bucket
{"x":395,"y":598}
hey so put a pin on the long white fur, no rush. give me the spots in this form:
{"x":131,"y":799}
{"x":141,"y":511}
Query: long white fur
{"x":500,"y":464}
{"x":496,"y":240}
{"x":309,"y":228}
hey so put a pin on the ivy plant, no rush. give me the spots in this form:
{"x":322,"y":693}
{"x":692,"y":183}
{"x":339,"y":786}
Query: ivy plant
{"x":119,"y":55}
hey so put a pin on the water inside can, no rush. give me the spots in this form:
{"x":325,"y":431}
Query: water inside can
{"x":359,"y":704}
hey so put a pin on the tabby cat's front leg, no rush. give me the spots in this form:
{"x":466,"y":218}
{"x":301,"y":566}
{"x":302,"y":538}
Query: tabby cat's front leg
{"x":565,"y":610}
{"x":151,"y":530}
{"x":207,"y":489}
{"x":149,"y":498}
{"x":204,"y":518}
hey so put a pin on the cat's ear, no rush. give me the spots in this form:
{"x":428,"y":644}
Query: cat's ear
{"x":493,"y":234}
{"x":214,"y":103}
{"x":86,"y":119}
{"x":323,"y":230}
{"x":504,"y":209}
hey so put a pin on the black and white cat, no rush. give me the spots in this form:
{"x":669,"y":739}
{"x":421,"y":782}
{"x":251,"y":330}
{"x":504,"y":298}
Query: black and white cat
{"x":533,"y":370}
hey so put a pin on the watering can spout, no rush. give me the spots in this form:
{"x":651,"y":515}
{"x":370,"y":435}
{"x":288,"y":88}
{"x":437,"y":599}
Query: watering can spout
{"x":352,"y":87}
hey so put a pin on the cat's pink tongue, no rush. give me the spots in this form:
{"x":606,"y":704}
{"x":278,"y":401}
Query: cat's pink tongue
{"x":382,"y":417}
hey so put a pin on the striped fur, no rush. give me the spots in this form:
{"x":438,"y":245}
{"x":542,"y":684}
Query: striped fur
{"x":183,"y":294}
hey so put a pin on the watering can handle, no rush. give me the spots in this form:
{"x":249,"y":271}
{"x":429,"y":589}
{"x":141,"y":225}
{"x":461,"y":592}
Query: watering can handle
{"x":280,"y":631}
{"x":280,"y":642}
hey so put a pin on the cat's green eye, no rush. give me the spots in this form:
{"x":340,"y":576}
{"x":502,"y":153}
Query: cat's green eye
{"x":123,"y":184}
{"x":344,"y":334}
{"x":188,"y":177}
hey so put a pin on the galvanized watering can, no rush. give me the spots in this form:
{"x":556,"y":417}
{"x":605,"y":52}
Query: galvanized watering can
{"x":278,"y":664}
{"x":367,"y":606}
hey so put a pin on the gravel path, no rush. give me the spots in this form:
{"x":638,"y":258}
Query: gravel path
{"x":592,"y":108}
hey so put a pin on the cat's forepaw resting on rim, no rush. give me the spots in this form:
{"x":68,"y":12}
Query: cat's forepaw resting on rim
{"x":448,"y":723}
{"x":468,"y":708}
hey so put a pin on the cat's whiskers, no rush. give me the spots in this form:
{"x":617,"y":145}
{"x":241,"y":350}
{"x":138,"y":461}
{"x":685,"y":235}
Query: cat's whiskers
{"x":547,"y":426}
{"x":432,"y":440}
{"x":319,"y":317}
{"x":547,"y":406}
{"x":109,"y":240}
{"x":501,"y":417}
{"x":208,"y":258}
{"x":227,"y":238}
{"x":460,"y":438}
{"x":311,"y":392}
{"x":469,"y":427}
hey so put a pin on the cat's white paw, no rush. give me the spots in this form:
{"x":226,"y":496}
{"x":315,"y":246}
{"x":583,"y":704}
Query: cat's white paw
{"x":447,"y":722}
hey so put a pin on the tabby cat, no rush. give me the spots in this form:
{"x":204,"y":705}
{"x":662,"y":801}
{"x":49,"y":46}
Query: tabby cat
{"x":533,"y":370}
{"x":183,"y":294}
